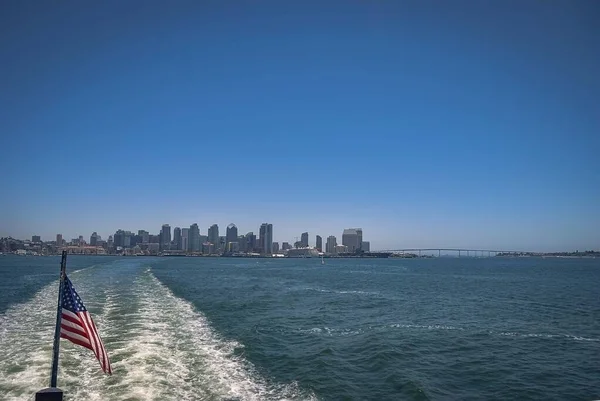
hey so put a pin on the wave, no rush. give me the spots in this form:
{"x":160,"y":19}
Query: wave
{"x":355,"y":292}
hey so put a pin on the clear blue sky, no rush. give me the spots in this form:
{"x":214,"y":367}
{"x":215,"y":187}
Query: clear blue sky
{"x":426,"y":123}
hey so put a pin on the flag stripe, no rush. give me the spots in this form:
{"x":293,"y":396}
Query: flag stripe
{"x":74,"y":336}
{"x":68,"y":326}
{"x":88,"y":333}
{"x":96,"y":337}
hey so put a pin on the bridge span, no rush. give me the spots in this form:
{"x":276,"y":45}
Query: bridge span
{"x":459,"y":251}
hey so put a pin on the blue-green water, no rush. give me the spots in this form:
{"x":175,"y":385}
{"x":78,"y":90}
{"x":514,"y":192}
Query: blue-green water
{"x":254,"y":329}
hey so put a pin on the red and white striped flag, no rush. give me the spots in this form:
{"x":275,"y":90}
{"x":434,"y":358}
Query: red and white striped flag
{"x":78,"y":327}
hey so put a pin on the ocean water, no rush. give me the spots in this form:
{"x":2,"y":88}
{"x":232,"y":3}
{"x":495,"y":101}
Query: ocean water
{"x":352,"y":329}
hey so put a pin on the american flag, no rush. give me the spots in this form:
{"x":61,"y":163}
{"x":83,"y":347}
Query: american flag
{"x":78,"y":327}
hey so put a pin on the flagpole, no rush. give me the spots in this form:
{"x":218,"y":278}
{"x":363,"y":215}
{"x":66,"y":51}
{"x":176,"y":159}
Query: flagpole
{"x":52,"y":393}
{"x":63,"y":268}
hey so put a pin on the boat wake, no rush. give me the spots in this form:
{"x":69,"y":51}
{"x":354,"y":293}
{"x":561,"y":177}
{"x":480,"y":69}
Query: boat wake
{"x":161,"y":348}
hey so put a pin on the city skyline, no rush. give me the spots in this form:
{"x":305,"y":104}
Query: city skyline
{"x":469,"y":124}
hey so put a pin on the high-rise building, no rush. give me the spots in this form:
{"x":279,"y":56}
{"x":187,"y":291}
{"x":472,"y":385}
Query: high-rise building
{"x":285,"y":246}
{"x":231,"y":235}
{"x":213,"y":236}
{"x":250,"y":242}
{"x":352,"y":238}
{"x":59,"y":240}
{"x":242,"y":243}
{"x":127,"y":235}
{"x":275,"y":247}
{"x":94,"y":239}
{"x":330,"y":245}
{"x":266,"y":238}
{"x":177,"y":238}
{"x":36,"y":238}
{"x":185,"y":239}
{"x":165,"y":236}
{"x":194,"y":238}
{"x":304,"y":240}
{"x":118,"y":238}
{"x":366,"y":246}
{"x":145,"y":236}
{"x":319,"y":244}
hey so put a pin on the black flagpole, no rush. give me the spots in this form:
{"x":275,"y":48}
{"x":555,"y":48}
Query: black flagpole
{"x":52,"y":393}
{"x":63,"y":268}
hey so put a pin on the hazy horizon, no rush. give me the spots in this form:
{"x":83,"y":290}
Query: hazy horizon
{"x":466,"y":124}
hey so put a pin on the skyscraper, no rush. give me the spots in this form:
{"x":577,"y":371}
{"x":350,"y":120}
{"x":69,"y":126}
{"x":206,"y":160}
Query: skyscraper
{"x":59,"y":240}
{"x":36,"y":238}
{"x":194,"y":238}
{"x":250,"y":242}
{"x":185,"y":245}
{"x":304,"y":240}
{"x":231,"y":235}
{"x":330,"y":245}
{"x":94,"y":239}
{"x":275,"y":247}
{"x":319,"y":244}
{"x":266,"y":238}
{"x":145,"y":236}
{"x":243,"y":244}
{"x":165,"y":236}
{"x":213,"y":236}
{"x":366,"y":246}
{"x":352,"y":238}
{"x":177,"y":238}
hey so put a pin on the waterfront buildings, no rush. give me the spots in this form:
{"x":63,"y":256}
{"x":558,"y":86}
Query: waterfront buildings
{"x":304,"y":240}
{"x":266,"y":238}
{"x":275,"y":247}
{"x":185,"y":239}
{"x":319,"y":243}
{"x":194,"y":238}
{"x":165,"y":237}
{"x":251,"y":242}
{"x":231,"y":235}
{"x":352,"y":238}
{"x":213,"y":236}
{"x":330,"y":245}
{"x":94,"y":239}
{"x":59,"y":240}
{"x":177,"y":238}
{"x":366,"y":246}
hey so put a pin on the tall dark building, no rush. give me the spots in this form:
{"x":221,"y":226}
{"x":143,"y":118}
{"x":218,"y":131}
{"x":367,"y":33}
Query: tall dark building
{"x":304,"y":240}
{"x":94,"y":239}
{"x":119,"y":238}
{"x":250,"y":242}
{"x":36,"y":238}
{"x":194,"y":238}
{"x":266,"y":238}
{"x":177,"y":238}
{"x":165,"y":236}
{"x":213,"y":236}
{"x":319,"y":244}
{"x":59,"y":240}
{"x":242,"y":244}
{"x":231,"y":235}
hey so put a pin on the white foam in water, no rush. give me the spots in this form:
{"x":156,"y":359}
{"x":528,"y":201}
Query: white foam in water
{"x":26,"y":335}
{"x":160,"y":347}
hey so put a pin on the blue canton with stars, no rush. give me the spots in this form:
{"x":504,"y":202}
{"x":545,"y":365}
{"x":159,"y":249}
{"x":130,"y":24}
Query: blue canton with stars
{"x":70,"y":298}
